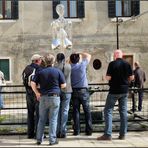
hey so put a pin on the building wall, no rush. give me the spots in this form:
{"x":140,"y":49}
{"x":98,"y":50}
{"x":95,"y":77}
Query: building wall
{"x":96,"y":34}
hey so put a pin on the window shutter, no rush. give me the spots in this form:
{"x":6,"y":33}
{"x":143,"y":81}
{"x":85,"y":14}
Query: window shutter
{"x":4,"y":67}
{"x":81,"y":9}
{"x":15,"y":9}
{"x":111,"y":8}
{"x":135,"y":7}
{"x":54,"y":4}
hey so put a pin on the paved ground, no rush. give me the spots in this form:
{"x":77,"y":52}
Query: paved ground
{"x":133,"y":139}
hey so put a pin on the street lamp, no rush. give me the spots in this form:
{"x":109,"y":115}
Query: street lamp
{"x":118,"y":21}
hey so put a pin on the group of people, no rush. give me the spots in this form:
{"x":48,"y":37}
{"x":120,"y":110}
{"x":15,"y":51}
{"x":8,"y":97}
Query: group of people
{"x":57,"y":82}
{"x":54,"y":84}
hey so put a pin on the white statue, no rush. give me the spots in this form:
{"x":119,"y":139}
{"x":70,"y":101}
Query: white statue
{"x":61,"y":31}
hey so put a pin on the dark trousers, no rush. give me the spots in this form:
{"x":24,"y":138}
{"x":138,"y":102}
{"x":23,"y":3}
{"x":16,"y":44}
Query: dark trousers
{"x":134,"y":100}
{"x":33,"y":113}
{"x":140,"y":99}
{"x":81,"y":96}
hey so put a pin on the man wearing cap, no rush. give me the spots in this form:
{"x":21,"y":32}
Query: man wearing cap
{"x":32,"y":103}
{"x":65,"y":95}
{"x":51,"y":81}
{"x":119,"y":74}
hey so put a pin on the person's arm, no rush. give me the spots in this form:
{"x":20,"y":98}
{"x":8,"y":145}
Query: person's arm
{"x":3,"y":79}
{"x":108,"y":78}
{"x":131,"y":78}
{"x":109,"y":72}
{"x":63,"y":85}
{"x":34,"y":88}
{"x":85,"y":55}
{"x":144,"y":77}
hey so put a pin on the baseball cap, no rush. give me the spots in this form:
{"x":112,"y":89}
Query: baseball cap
{"x":36,"y":57}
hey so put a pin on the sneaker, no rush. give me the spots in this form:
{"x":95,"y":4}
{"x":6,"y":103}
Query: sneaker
{"x":54,"y":143}
{"x":104,"y":137}
{"x":121,"y":137}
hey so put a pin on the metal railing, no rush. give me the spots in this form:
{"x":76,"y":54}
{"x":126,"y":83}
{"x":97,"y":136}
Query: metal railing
{"x":15,"y":110}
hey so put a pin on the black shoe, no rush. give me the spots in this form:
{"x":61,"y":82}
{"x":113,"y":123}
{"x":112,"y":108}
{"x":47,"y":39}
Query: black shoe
{"x":56,"y":142}
{"x":139,"y":110}
{"x":75,"y":133}
{"x":121,"y":137}
{"x":63,"y":136}
{"x":88,"y":133}
{"x":31,"y":137}
{"x":58,"y":135}
{"x":38,"y":143}
{"x":104,"y":137}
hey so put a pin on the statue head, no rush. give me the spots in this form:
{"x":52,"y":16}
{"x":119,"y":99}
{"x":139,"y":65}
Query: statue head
{"x":60,"y":10}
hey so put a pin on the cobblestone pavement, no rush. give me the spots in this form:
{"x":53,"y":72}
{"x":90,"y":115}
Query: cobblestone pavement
{"x":133,"y":139}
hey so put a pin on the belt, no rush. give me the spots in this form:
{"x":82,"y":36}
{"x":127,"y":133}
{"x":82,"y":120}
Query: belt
{"x":82,"y":88}
{"x":53,"y":94}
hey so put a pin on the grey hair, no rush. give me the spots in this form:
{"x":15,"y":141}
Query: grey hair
{"x":49,"y":59}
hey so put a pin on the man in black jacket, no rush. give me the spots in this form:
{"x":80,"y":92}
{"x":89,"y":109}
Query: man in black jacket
{"x":139,"y":80}
{"x":32,"y":103}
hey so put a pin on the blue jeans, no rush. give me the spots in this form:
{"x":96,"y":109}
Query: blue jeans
{"x":63,"y":113}
{"x":1,"y":99}
{"x":81,"y":96}
{"x":48,"y":106}
{"x":110,"y":103}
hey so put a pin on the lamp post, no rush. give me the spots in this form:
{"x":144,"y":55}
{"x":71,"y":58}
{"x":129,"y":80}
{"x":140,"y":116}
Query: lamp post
{"x":117,"y":31}
{"x":118,"y":21}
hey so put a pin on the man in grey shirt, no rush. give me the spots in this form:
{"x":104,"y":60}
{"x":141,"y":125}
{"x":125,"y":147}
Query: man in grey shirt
{"x":65,"y":95}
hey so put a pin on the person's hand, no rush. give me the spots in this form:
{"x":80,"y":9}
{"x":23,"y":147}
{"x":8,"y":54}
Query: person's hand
{"x":38,"y":96}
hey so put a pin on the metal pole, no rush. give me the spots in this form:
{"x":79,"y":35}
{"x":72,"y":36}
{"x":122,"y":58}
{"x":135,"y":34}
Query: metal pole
{"x":117,"y":33}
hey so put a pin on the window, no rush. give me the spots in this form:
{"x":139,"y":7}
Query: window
{"x":123,"y":8}
{"x":129,"y":59}
{"x":5,"y":68}
{"x":73,"y":8}
{"x":8,"y":9}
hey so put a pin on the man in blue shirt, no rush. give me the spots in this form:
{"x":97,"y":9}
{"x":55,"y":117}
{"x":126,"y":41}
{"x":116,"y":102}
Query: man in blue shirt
{"x":80,"y":94}
{"x":51,"y":80}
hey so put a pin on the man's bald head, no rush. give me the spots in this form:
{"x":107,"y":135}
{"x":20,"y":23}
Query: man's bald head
{"x":118,"y":54}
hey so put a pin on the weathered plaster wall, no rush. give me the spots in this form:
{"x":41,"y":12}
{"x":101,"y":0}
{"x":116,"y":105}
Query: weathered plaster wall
{"x":95,"y":34}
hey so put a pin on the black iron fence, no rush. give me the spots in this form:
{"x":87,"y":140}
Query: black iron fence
{"x":15,"y":111}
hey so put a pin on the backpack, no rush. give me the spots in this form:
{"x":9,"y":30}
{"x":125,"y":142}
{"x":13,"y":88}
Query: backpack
{"x":28,"y":75}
